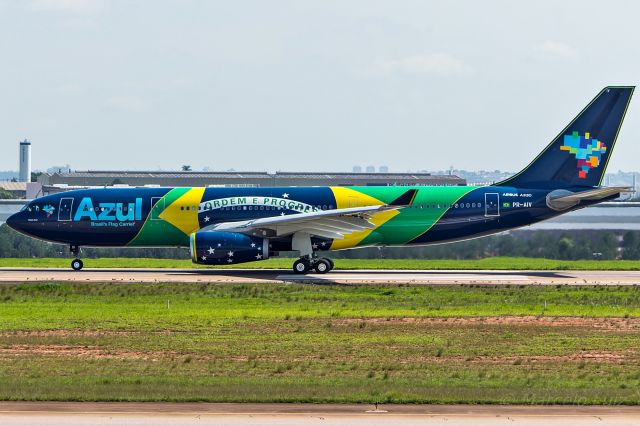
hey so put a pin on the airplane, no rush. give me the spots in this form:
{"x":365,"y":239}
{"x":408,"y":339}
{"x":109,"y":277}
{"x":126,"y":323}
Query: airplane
{"x":225,"y":226}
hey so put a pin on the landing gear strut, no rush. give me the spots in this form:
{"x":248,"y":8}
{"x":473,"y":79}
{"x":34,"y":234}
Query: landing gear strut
{"x":76,"y":264}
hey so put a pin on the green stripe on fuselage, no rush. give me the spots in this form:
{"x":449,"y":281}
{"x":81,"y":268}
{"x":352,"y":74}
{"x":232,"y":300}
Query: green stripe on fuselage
{"x":414,"y":220}
{"x":158,"y":232}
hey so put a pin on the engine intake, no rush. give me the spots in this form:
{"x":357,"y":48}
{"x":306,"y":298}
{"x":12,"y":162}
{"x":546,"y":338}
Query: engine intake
{"x":226,"y":248}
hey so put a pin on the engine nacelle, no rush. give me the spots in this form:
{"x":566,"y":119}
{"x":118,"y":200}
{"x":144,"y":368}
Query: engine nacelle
{"x":226,"y":248}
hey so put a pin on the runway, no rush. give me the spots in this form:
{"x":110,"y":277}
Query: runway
{"x":417,"y":277}
{"x":74,"y":413}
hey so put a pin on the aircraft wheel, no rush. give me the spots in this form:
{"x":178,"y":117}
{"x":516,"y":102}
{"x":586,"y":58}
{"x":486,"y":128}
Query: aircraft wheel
{"x":329,"y":261}
{"x":301,"y":266}
{"x":76,"y":264}
{"x":322,"y":266}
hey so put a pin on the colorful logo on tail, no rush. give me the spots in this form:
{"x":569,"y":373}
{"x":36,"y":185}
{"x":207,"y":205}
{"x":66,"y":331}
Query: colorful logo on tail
{"x":588,"y":151}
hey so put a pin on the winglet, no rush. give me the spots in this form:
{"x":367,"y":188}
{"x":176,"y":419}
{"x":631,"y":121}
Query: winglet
{"x":405,"y":199}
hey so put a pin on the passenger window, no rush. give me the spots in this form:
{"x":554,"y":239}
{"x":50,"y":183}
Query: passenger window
{"x":456,"y":205}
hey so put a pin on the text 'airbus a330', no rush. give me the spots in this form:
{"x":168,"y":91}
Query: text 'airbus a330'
{"x":223,"y":226}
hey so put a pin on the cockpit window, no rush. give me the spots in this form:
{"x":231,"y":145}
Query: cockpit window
{"x":24,"y":207}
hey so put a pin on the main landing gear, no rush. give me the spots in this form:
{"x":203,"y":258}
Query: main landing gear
{"x":301,"y":242}
{"x":76,"y":264}
{"x":320,"y":265}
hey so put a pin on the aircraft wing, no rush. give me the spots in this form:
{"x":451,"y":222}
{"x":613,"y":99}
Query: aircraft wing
{"x":561,"y":200}
{"x":334,"y":224}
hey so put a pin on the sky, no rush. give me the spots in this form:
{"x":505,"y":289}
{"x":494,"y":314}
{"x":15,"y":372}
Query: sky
{"x":307,"y":85}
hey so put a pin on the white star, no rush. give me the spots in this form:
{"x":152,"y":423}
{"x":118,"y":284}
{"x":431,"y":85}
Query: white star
{"x":204,"y":258}
{"x":258,"y":256}
{"x":206,"y":218}
{"x":323,"y":244}
{"x":229,"y":260}
{"x":315,"y":246}
{"x":211,"y":250}
{"x":285,"y":195}
{"x":230,"y":254}
{"x":282,"y":214}
{"x":253,"y":244}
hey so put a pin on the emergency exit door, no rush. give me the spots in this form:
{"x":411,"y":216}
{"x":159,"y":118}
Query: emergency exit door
{"x":492,"y":204}
{"x":64,"y":209}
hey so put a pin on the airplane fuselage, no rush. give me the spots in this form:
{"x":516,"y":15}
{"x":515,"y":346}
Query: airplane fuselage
{"x":160,"y":217}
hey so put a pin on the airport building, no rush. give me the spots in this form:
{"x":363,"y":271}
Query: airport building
{"x":240,"y":179}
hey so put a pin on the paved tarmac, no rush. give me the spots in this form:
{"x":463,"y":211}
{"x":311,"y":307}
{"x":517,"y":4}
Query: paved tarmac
{"x":79,"y":413}
{"x":9,"y":275}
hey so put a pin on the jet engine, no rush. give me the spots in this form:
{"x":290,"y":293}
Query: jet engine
{"x":226,"y":248}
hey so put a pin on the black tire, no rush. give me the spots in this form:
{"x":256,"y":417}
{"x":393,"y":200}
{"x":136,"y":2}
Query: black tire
{"x":301,"y":266}
{"x":76,"y":264}
{"x":330,"y":262}
{"x":322,"y":266}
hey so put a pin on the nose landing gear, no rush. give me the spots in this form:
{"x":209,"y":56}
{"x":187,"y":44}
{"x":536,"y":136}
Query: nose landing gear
{"x":76,"y":264}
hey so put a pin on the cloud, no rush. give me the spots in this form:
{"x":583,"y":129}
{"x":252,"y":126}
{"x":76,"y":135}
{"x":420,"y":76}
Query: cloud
{"x":128,"y":103}
{"x":556,"y":50}
{"x":440,"y":64}
{"x":71,"y":7}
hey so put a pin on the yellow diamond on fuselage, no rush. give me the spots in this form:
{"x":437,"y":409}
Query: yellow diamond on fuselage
{"x":183,"y":212}
{"x":347,"y":197}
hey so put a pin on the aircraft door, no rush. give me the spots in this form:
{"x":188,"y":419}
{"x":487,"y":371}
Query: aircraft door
{"x":492,"y":204}
{"x":64,"y":209}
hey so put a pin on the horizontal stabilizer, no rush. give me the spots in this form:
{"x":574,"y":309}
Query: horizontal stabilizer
{"x":561,"y":199}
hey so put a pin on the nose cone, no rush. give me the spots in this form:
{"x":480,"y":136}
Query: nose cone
{"x":13,"y":221}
